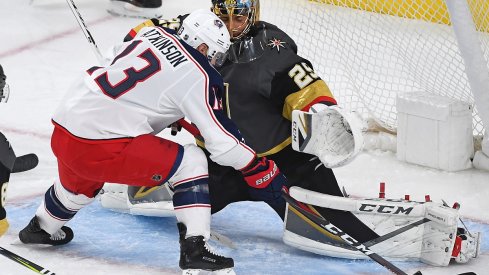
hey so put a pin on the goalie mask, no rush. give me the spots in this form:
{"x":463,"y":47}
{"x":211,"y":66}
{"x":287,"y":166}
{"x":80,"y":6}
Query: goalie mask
{"x":244,"y":12}
{"x":204,"y":27}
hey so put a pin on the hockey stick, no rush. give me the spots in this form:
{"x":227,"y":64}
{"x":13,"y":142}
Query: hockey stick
{"x":22,"y":261}
{"x":85,"y":30}
{"x":323,"y":223}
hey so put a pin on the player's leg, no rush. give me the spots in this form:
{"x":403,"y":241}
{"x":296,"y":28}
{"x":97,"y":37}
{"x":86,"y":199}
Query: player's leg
{"x":136,"y":8}
{"x":193,"y":210}
{"x":67,"y":195}
{"x":306,"y":171}
{"x":226,"y":186}
{"x":58,"y":207}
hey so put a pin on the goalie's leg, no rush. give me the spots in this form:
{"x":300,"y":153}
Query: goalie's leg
{"x":193,"y":210}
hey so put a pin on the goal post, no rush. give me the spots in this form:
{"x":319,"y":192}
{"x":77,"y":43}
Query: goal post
{"x":370,"y":51}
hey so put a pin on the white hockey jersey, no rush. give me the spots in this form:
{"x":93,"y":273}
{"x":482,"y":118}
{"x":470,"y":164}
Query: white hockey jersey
{"x":153,"y":81}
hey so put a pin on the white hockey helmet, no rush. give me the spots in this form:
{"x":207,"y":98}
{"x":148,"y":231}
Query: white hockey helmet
{"x":203,"y":26}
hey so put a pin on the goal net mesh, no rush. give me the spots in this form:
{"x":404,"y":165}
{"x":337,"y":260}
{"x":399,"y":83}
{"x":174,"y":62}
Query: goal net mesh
{"x":369,"y":51}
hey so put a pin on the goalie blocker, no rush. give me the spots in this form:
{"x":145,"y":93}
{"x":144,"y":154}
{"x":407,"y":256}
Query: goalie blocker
{"x":408,"y":230}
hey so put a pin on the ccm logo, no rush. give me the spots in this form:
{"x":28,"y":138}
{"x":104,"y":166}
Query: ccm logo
{"x":294,"y":131}
{"x":347,"y":238}
{"x":267,"y":176}
{"x":385,"y":209}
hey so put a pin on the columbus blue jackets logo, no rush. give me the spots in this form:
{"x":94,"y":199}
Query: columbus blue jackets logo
{"x":218,"y":23}
{"x":276,"y":43}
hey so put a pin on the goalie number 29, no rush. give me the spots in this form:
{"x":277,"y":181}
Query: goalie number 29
{"x":302,"y":74}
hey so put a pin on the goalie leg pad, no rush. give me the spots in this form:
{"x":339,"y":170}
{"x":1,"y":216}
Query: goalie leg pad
{"x":114,"y":197}
{"x":426,"y":233}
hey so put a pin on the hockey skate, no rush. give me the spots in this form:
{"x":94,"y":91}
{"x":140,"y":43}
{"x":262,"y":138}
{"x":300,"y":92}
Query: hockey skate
{"x":196,"y":257}
{"x":136,"y":8}
{"x":33,"y":234}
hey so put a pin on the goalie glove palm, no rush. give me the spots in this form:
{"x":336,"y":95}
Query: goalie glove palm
{"x":332,"y":134}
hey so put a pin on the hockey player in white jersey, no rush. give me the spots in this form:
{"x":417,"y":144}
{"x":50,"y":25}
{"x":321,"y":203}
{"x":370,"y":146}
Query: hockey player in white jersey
{"x":105,"y":131}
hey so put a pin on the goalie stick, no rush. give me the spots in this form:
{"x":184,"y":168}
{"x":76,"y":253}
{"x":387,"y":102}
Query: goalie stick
{"x":26,"y":263}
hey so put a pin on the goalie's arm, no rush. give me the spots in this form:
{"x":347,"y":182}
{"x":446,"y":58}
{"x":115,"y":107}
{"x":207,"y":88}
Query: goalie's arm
{"x":319,"y":127}
{"x":298,"y":87}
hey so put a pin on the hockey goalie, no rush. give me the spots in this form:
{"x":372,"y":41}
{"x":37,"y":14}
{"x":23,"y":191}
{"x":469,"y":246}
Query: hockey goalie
{"x":401,"y":229}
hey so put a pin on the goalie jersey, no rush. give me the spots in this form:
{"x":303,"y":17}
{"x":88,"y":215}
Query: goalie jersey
{"x":261,"y":105}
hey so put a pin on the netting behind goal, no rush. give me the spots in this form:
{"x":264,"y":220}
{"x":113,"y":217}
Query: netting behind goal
{"x":368,"y":51}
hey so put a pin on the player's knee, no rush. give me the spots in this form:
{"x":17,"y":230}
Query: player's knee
{"x":193,"y":165}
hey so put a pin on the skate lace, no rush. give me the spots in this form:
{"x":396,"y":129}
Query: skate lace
{"x":211,"y":250}
{"x":58,"y":236}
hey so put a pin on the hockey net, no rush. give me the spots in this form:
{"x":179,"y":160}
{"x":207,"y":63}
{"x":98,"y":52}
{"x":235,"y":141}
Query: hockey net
{"x":369,"y":51}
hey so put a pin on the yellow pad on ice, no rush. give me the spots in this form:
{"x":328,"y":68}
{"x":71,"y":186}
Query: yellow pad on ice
{"x":3,"y":226}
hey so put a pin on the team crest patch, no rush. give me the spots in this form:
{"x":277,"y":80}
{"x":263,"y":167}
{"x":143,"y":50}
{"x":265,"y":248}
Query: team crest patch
{"x":157,"y":177}
{"x":218,"y":23}
{"x":276,"y":43}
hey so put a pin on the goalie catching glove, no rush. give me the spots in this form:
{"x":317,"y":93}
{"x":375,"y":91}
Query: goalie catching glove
{"x":328,"y":132}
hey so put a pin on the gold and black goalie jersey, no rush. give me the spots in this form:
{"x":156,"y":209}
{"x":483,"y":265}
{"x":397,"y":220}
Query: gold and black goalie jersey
{"x":262,"y":90}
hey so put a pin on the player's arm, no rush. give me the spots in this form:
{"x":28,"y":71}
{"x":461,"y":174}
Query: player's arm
{"x":173,"y":24}
{"x":226,"y":145}
{"x":319,"y":126}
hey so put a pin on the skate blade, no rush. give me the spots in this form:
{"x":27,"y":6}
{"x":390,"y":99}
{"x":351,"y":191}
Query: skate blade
{"x":225,"y":271}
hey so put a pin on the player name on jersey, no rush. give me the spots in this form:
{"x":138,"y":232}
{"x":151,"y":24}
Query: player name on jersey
{"x":166,"y":46}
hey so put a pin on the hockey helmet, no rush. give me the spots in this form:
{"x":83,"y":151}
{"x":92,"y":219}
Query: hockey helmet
{"x":226,"y":8}
{"x":203,"y":26}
